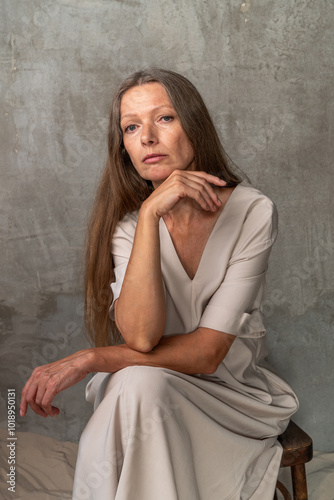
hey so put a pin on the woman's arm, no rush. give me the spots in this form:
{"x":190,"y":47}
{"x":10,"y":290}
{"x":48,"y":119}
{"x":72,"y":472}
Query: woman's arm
{"x":198,"y":352}
{"x":140,"y":311}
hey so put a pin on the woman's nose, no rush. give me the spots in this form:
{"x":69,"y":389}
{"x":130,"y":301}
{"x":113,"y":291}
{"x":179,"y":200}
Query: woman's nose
{"x":149,"y":134}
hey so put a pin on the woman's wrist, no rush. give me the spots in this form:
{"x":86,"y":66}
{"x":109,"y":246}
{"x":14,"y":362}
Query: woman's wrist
{"x":104,"y":359}
{"x":148,"y":214}
{"x":89,"y":360}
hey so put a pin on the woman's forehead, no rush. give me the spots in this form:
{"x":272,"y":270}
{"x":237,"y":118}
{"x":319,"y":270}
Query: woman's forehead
{"x":144,"y":97}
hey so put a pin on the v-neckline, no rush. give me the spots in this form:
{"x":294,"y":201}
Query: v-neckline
{"x":207,"y":244}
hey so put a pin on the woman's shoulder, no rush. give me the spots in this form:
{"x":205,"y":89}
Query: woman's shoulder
{"x":248,"y":199}
{"x":250,"y":194}
{"x":249,"y":210}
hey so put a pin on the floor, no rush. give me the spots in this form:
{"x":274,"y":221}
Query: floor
{"x":45,"y":469}
{"x":320,"y":477}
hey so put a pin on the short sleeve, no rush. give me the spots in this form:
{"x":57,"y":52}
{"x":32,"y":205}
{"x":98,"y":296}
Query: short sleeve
{"x":235,"y":307}
{"x":121,"y":248}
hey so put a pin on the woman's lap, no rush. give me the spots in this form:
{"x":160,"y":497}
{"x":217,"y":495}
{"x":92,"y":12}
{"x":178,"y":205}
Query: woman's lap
{"x":163,"y":434}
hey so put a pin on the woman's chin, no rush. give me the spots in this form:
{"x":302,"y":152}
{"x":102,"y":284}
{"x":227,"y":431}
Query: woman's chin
{"x":158,"y":176}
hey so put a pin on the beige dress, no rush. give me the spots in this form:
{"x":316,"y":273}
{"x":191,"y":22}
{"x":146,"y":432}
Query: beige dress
{"x":157,"y":434}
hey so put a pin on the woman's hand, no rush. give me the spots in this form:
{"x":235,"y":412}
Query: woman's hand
{"x":48,"y":380}
{"x":181,"y":184}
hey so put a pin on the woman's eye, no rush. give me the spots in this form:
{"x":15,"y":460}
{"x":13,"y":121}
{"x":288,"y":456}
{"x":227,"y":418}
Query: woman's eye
{"x":167,"y":118}
{"x":130,"y":128}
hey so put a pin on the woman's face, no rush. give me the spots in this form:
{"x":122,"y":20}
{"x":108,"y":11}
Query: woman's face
{"x":153,"y":135}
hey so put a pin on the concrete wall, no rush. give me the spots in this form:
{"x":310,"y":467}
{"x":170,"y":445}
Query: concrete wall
{"x":265,"y":70}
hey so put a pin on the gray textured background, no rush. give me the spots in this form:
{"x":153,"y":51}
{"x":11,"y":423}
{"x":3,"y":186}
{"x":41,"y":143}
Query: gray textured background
{"x":265,"y":69}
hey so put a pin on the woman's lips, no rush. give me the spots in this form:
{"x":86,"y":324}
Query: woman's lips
{"x":153,"y":158}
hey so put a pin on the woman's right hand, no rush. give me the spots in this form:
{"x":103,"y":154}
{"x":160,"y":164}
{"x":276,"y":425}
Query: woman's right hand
{"x":48,"y":380}
{"x":182,"y":184}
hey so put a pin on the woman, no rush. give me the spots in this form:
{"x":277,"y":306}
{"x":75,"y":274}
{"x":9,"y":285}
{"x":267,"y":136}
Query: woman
{"x":191,"y":410}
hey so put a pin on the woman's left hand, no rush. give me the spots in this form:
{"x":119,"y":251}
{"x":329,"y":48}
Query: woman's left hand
{"x":48,"y":380}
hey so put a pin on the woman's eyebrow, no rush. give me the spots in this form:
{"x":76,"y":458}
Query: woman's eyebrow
{"x":130,"y":115}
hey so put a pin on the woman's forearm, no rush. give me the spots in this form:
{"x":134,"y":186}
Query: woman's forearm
{"x":140,"y":311}
{"x":198,"y":352}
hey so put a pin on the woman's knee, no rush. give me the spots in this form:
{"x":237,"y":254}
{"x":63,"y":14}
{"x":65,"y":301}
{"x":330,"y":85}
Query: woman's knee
{"x":142,"y":392}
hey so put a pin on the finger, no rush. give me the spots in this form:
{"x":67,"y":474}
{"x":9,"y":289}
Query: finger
{"x":48,"y":396}
{"x":49,"y":410}
{"x":55,"y":411}
{"x":212,"y":179}
{"x":34,"y":390}
{"x":24,"y":401}
{"x":37,"y":409}
{"x":42,"y":408}
{"x":28,"y":398}
{"x":213,"y":196}
{"x":46,"y":391}
{"x":201,"y":196}
{"x":23,"y":406}
{"x":204,"y":178}
{"x":201,"y":191}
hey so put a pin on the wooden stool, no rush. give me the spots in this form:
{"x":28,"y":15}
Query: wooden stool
{"x":297,"y":450}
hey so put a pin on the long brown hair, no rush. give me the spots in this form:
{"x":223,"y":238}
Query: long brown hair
{"x":122,"y":190}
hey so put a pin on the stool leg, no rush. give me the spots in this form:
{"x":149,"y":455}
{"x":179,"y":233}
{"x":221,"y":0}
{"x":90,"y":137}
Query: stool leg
{"x":283,"y":490}
{"x":298,"y":474}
